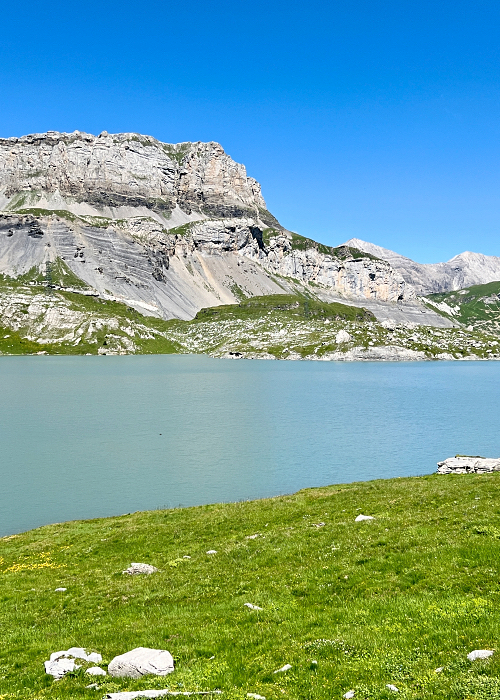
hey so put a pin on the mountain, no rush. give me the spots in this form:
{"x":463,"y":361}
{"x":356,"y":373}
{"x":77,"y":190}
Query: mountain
{"x":477,"y":306}
{"x":125,"y":175}
{"x":464,"y":270}
{"x":120,"y":243}
{"x":165,"y":228}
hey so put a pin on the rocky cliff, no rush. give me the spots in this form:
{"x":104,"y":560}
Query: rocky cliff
{"x":121,"y":175}
{"x":166,"y":228}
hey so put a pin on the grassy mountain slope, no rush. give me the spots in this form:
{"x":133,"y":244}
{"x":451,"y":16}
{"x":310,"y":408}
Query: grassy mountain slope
{"x":477,"y":306}
{"x":274,"y":326}
{"x":377,"y":602}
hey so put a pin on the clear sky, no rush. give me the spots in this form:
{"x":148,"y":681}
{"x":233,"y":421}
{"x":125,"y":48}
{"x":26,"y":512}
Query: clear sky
{"x":377,"y":119}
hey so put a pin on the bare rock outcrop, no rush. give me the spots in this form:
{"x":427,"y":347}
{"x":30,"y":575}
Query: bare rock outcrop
{"x":115,"y":174}
{"x":462,"y":464}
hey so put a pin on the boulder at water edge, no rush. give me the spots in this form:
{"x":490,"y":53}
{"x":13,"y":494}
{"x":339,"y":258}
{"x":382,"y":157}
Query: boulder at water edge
{"x":468,"y":465}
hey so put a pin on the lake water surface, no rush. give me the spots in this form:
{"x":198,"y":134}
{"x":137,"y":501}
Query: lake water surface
{"x":82,"y":437}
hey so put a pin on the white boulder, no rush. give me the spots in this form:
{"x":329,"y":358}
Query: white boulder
{"x":95,"y":671}
{"x":142,"y":662}
{"x":479,"y":654}
{"x":60,"y":667}
{"x":138,"y":568}
{"x":284,"y":668}
{"x":342,"y":337}
{"x":77,"y":653}
{"x":468,"y":465}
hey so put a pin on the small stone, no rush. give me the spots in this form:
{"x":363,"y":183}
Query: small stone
{"x":141,"y":662}
{"x":77,"y":653}
{"x":479,"y":654}
{"x":138,"y":568}
{"x":95,"y":671}
{"x":60,"y":667}
{"x":342,"y":337}
{"x":350,"y":694}
{"x":284,"y":668}
{"x":212,"y":551}
{"x":60,"y":589}
{"x":392,"y":687}
{"x":93,"y":686}
{"x":252,"y":606}
{"x":252,"y":537}
{"x":186,"y":556}
{"x":360,"y":517}
{"x":439,"y":670}
{"x":255,"y":696}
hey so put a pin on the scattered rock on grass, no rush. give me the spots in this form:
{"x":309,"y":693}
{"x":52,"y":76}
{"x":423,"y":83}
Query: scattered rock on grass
{"x":138,"y":568}
{"x":212,"y":551}
{"x":77,"y":653}
{"x":141,"y":662}
{"x":479,"y":654}
{"x":60,"y":589}
{"x":252,"y":537}
{"x":360,"y":517}
{"x":255,"y":696}
{"x":252,"y":606}
{"x":439,"y":670}
{"x":96,"y":671}
{"x":284,"y":668}
{"x":131,"y":695}
{"x":60,"y":667}
{"x":342,"y":337}
{"x":350,"y":694}
{"x":392,"y":687}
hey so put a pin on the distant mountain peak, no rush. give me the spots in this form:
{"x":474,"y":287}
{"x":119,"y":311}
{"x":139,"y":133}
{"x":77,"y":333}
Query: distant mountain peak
{"x":463,"y":270}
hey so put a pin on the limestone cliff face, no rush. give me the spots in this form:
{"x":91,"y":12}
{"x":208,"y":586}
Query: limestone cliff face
{"x":111,"y":171}
{"x":205,"y":263}
{"x":168,"y":228}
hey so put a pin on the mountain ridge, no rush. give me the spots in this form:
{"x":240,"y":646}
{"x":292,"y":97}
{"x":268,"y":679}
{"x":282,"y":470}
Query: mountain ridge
{"x":463,"y":270}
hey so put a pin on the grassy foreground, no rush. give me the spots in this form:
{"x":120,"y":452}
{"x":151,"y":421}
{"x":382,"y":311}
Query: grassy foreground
{"x":376,"y":602}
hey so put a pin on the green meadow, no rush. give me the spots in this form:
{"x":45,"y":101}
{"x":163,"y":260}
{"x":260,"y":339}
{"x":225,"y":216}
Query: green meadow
{"x":349,"y":605}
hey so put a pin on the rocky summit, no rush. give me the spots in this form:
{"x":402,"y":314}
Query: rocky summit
{"x":168,"y":230}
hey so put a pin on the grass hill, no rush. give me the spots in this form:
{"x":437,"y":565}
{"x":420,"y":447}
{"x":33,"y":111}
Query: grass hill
{"x":477,"y":306}
{"x":348,"y":605}
{"x":75,"y":321}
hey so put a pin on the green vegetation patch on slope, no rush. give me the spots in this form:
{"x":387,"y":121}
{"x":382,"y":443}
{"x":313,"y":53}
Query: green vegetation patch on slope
{"x":348,"y":605}
{"x":343,"y":252}
{"x":287,"y":305}
{"x":60,"y":275}
{"x":478,"y":305}
{"x":61,"y":213}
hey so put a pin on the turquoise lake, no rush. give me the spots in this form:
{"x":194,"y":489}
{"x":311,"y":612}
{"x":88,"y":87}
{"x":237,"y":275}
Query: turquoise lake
{"x":83,"y":437}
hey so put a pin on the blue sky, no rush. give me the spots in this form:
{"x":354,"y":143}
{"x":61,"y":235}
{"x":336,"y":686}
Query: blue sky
{"x":376,"y":119}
